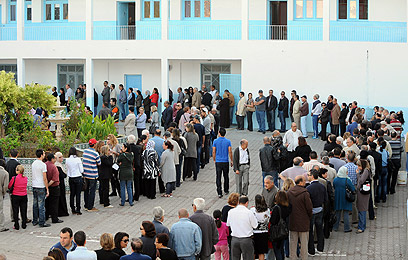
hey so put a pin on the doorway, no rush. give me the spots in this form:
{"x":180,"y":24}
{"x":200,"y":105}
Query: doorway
{"x":210,"y":74}
{"x":278,"y":20}
{"x":126,"y":21}
{"x":70,"y":74}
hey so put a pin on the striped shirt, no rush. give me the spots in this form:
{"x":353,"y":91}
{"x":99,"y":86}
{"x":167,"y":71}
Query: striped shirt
{"x":396,"y":149}
{"x":352,"y":172}
{"x":91,"y":160}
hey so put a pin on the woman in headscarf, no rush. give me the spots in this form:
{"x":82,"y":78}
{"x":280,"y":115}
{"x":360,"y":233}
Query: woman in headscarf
{"x":340,"y":203}
{"x":151,"y":169}
{"x":38,"y":117}
{"x":147,"y":104}
{"x":62,"y":204}
{"x":224,"y":109}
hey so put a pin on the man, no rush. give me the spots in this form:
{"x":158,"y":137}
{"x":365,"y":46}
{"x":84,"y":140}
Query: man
{"x":313,"y":161}
{"x":268,"y":165}
{"x":207,"y":97}
{"x":213,"y":91}
{"x":231,"y":104}
{"x":295,"y":170}
{"x":221,"y":150}
{"x":112,"y":92}
{"x":269,"y":191}
{"x":81,"y":252}
{"x":396,"y":124}
{"x":196,"y":99}
{"x":283,"y":111}
{"x":290,"y":140}
{"x":353,"y":125}
{"x":158,"y":218}
{"x":352,"y":112}
{"x":105,"y":92}
{"x":216,"y":122}
{"x":158,"y":147}
{"x":200,"y":130}
{"x":180,"y":98}
{"x":335,"y":118}
{"x":241,"y":111}
{"x":271,"y":104}
{"x":299,"y":219}
{"x":66,"y":243}
{"x":4,"y":181}
{"x":185,"y":237}
{"x":395,"y":144}
{"x":296,"y":111}
{"x":40,"y":189}
{"x":242,"y":223}
{"x":51,"y":202}
{"x":205,"y":158}
{"x":292,"y":102}
{"x":137,"y":249}
{"x":304,"y":111}
{"x":91,"y":160}
{"x":208,"y":228}
{"x":11,"y":166}
{"x":105,"y":111}
{"x":69,"y":95}
{"x":114,"y":110}
{"x":331,"y":143}
{"x":335,"y":160}
{"x":122,"y":101}
{"x":331,"y":172}
{"x":179,"y":114}
{"x":260,"y":106}
{"x":318,"y":196}
{"x":352,"y":174}
{"x":316,"y":110}
{"x":84,"y":93}
{"x":241,"y":164}
{"x":380,"y":134}
{"x":167,"y":115}
{"x":351,"y":146}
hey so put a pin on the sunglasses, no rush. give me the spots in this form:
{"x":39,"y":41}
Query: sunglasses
{"x":126,"y":240}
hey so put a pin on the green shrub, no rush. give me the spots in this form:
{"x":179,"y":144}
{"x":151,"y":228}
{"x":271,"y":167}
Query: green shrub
{"x":90,"y":127}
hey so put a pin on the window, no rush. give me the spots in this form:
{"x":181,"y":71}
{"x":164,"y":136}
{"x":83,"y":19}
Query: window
{"x":210,"y":74}
{"x":56,"y":10}
{"x":70,"y":74}
{"x":197,"y":9}
{"x":151,"y":9}
{"x":309,"y":9}
{"x":353,"y":9}
{"x":12,"y":10}
{"x":28,"y":10}
{"x":9,"y":68}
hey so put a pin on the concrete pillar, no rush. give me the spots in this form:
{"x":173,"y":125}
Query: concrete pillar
{"x":20,"y":20}
{"x":326,"y":20}
{"x":21,"y":72}
{"x":37,"y":10}
{"x":89,"y":80}
{"x":244,"y":19}
{"x":164,"y":90}
{"x":164,"y":19}
{"x":89,"y":19}
{"x":138,"y":10}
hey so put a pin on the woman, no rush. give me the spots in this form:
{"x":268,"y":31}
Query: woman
{"x":141,"y":121}
{"x":363,"y":174}
{"x":342,"y":119}
{"x":163,"y":252}
{"x":62,"y":97}
{"x":262,"y":215}
{"x":182,"y":143}
{"x":115,"y":148}
{"x":216,"y":100}
{"x":62,"y":204}
{"x":147,"y":103}
{"x":186,"y":98}
{"x":303,"y":150}
{"x":74,"y":172}
{"x":137,"y":150}
{"x":167,"y":168}
{"x":282,"y":209}
{"x":233,"y":200}
{"x":191,"y":152}
{"x":45,"y":123}
{"x":340,"y":203}
{"x":56,"y":254}
{"x":154,"y":98}
{"x":250,"y":108}
{"x":106,"y":252}
{"x":121,"y":241}
{"x":105,"y":174}
{"x":125,"y":161}
{"x":287,"y":184}
{"x":151,"y":169}
{"x":19,"y":199}
{"x":78,"y":95}
{"x":223,"y":232}
{"x":184,"y":119}
{"x":148,"y":238}
{"x":154,"y":120}
{"x":139,"y":100}
{"x":224,"y":109}
{"x":382,"y":179}
{"x":324,"y":118}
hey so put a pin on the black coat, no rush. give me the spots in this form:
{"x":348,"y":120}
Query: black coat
{"x":106,"y":255}
{"x":343,"y":115}
{"x":167,"y":116}
{"x":325,"y":116}
{"x":206,"y":100}
{"x":284,"y":106}
{"x":11,"y":167}
{"x":146,"y":103}
{"x":223,"y":107}
{"x":105,"y":169}
{"x":304,"y":152}
{"x":131,"y":101}
{"x":273,"y":105}
{"x":95,"y":98}
{"x":137,"y":151}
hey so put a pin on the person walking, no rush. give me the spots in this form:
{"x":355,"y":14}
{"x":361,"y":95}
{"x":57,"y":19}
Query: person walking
{"x":221,"y":248}
{"x":260,"y":106}
{"x":283,"y":107}
{"x":250,"y":109}
{"x":74,"y":172}
{"x":241,"y":162}
{"x":363,"y":174}
{"x":304,"y":112}
{"x":224,"y":109}
{"x":241,"y":111}
{"x":90,"y":165}
{"x":316,"y":110}
{"x":168,"y":168}
{"x":191,"y":153}
{"x":340,"y":184}
{"x":18,"y":188}
{"x":40,"y":189}
{"x":125,"y":161}
{"x":221,"y":150}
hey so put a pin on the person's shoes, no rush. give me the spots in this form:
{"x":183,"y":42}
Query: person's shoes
{"x":259,"y":131}
{"x":202,"y":166}
{"x":392,"y":192}
{"x":35,"y":224}
{"x":347,"y":231}
{"x":79,"y":213}
{"x":311,"y":255}
{"x":131,"y":205}
{"x":113,"y":194}
{"x":45,"y":225}
{"x":28,"y":220}
{"x":263,"y":132}
{"x":383,"y":201}
{"x":58,"y":221}
{"x":220,"y":196}
{"x":226,"y":193}
{"x":93,"y":210}
{"x":354,"y":222}
{"x":319,"y":252}
{"x":109,"y":206}
{"x":121,"y":204}
{"x":24,"y":226}
{"x":359,"y":231}
{"x":4,"y":230}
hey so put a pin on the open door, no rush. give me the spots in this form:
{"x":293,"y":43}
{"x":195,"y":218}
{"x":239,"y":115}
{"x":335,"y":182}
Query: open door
{"x":126,"y":21}
{"x":278,"y":20}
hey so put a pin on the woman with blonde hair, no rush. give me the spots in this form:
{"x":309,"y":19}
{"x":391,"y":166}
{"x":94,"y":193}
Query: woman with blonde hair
{"x":107,"y":244}
{"x":287,"y":184}
{"x":105,"y":174}
{"x":115,"y":148}
{"x":141,"y":121}
{"x":18,"y":188}
{"x":154,"y":120}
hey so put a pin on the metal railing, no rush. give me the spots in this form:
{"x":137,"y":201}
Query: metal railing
{"x":54,"y":33}
{"x":8,"y":33}
{"x":127,"y":32}
{"x":368,"y":33}
{"x":286,"y":32}
{"x":204,"y":32}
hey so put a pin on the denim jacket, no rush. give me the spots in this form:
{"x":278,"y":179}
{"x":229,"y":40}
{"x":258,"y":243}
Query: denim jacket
{"x":185,"y":238}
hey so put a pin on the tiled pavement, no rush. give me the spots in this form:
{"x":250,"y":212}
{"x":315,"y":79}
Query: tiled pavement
{"x":385,"y":237}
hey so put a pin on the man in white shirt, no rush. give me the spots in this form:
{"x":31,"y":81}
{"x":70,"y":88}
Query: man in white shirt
{"x":213,"y":90}
{"x":81,"y":252}
{"x":40,"y":189}
{"x":291,"y":138}
{"x":313,"y":161}
{"x":241,"y":164}
{"x":242,"y":223}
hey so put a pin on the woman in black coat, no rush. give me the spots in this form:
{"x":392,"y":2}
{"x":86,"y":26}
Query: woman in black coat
{"x":324,"y":120}
{"x":303,"y":149}
{"x":224,"y":107}
{"x":105,"y":174}
{"x":342,"y":118}
{"x":62,"y":203}
{"x":148,"y":237}
{"x":146,"y":104}
{"x":137,"y":151}
{"x":283,"y":207}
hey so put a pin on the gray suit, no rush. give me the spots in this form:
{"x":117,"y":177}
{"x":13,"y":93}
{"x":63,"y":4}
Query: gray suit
{"x":241,"y":179}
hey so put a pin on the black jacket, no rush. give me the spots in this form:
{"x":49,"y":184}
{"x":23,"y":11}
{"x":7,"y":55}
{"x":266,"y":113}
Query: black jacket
{"x":95,"y":98}
{"x":11,"y":167}
{"x":146,"y":103}
{"x":318,"y":194}
{"x":304,"y":152}
{"x":106,"y":255}
{"x":284,"y":106}
{"x":206,"y":99}
{"x":268,"y":164}
{"x":167,"y":116}
{"x":273,"y":105}
{"x":178,"y":116}
{"x":343,"y":115}
{"x":131,"y":101}
{"x":377,"y":161}
{"x":105,"y":169}
{"x":235,"y":158}
{"x":330,"y":146}
{"x":137,"y":151}
{"x":325,"y":116}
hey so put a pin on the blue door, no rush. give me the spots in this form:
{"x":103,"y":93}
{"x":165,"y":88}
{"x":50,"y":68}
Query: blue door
{"x":231,"y":82}
{"x":135,"y":82}
{"x":122,"y":21}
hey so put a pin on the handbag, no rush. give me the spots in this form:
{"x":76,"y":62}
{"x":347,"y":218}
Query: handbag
{"x":84,"y":184}
{"x":350,"y":195}
{"x":12,"y":186}
{"x":279,"y":231}
{"x":365,"y":188}
{"x":152,"y":129}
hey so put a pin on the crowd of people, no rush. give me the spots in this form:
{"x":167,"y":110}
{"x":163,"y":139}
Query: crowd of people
{"x":302,"y":201}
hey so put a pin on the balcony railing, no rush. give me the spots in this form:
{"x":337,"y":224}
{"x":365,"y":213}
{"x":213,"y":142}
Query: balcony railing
{"x":127,"y":32}
{"x":204,"y":32}
{"x":368,"y":33}
{"x":286,"y":32}
{"x":8,"y":33}
{"x":53,"y":33}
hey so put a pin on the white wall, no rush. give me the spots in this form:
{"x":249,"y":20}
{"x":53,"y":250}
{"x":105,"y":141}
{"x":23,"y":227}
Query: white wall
{"x":3,"y":4}
{"x":257,"y":10}
{"x":387,"y":11}
{"x":8,"y":61}
{"x":226,"y":10}
{"x":104,"y":10}
{"x":77,"y":10}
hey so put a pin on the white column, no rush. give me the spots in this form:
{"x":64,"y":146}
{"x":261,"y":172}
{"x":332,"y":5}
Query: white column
{"x":20,"y":20}
{"x":326,"y":20}
{"x":407,"y":34}
{"x":21,"y":72}
{"x":89,"y":83}
{"x":244,"y":19}
{"x":37,"y":11}
{"x":138,"y":10}
{"x":164,"y":90}
{"x":291,"y":5}
{"x":164,"y":19}
{"x":89,"y":19}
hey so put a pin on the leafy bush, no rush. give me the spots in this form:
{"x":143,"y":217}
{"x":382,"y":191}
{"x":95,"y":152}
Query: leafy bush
{"x":10,"y":142}
{"x":90,"y":127}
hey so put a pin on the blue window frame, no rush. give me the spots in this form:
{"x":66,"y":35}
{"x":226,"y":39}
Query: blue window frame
{"x":353,"y":10}
{"x":151,"y":9}
{"x":196,"y":9}
{"x":56,"y":10}
{"x":308,"y":9}
{"x":12,"y":11}
{"x":28,"y":16}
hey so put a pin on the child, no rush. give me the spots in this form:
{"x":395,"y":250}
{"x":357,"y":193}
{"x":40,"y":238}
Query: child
{"x":222,"y":246}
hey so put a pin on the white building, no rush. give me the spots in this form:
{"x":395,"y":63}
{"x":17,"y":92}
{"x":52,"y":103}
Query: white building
{"x":353,"y":49}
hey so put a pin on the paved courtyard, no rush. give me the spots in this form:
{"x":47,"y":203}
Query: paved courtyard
{"x":385,"y":237}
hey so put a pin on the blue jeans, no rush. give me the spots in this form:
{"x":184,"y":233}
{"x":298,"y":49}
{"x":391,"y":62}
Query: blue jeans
{"x":260,"y":117}
{"x":362,"y":220}
{"x":345,"y":218}
{"x":382,"y":184}
{"x":198,"y":161}
{"x":275,"y":176}
{"x":282,"y":120}
{"x":232,"y":113}
{"x":303,"y":125}
{"x":270,"y":116}
{"x":315,"y":126}
{"x":316,"y":223}
{"x":122,"y":110}
{"x":89,"y":194}
{"x":170,"y":187}
{"x":278,"y":249}
{"x":126,"y":185}
{"x":39,"y":206}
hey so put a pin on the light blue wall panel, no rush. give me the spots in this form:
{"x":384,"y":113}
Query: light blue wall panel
{"x":258,"y":30}
{"x":205,"y":30}
{"x":232,"y":83}
{"x":305,"y":30}
{"x":8,"y":32}
{"x":143,"y":30}
{"x":50,"y":31}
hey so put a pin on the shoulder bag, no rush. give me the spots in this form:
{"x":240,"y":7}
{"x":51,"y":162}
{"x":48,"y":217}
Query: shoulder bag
{"x":279,"y":231}
{"x":350,"y":195}
{"x":12,"y":185}
{"x":365,"y":188}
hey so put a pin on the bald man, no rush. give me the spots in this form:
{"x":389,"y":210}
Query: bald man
{"x":241,"y":162}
